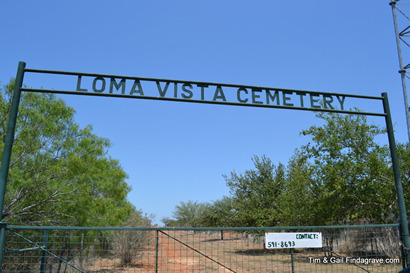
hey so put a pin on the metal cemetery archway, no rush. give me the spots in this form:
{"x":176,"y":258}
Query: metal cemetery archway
{"x":201,"y":92}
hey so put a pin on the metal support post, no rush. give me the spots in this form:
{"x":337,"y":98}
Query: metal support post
{"x":397,"y":178}
{"x":292,"y":259}
{"x":8,"y":143}
{"x":402,"y":70}
{"x":3,"y":227}
{"x":156,"y":249}
{"x":43,"y":265}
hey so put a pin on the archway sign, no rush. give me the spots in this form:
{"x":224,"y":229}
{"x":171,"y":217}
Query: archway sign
{"x":202,"y":92}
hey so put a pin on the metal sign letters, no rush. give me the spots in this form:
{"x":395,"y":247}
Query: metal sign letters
{"x":211,"y":93}
{"x":92,"y":84}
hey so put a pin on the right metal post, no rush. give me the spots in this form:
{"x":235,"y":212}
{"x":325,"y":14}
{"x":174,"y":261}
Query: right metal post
{"x":402,"y":70}
{"x":397,"y":179}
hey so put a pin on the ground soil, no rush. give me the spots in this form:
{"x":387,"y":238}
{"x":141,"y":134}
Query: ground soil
{"x":188,"y":252}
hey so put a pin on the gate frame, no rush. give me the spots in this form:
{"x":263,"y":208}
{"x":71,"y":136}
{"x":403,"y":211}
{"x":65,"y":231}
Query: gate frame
{"x":164,"y":231}
{"x":4,"y":170}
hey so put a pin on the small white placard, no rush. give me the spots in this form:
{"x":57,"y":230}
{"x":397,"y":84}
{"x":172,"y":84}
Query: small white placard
{"x":293,"y":240}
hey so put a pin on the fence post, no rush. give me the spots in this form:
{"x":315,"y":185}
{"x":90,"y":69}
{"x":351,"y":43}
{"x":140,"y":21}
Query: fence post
{"x":397,"y":179}
{"x":3,"y":227}
{"x":43,"y":266}
{"x":156,"y":249}
{"x":292,"y":259}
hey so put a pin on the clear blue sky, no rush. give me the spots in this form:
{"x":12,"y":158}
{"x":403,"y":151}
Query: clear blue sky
{"x":175,"y":151}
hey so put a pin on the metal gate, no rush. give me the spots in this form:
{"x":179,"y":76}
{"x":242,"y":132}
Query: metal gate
{"x":373,"y":248}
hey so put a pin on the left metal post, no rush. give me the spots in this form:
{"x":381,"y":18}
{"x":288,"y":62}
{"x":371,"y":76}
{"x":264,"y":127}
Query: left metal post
{"x":8,"y":144}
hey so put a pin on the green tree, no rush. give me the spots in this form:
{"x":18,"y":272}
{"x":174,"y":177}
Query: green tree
{"x":297,"y":199}
{"x":220,"y":213}
{"x":343,"y":176}
{"x":59,"y":173}
{"x":188,"y":214}
{"x":255,"y":193}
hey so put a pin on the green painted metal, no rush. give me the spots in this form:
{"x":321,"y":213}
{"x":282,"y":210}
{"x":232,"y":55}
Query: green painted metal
{"x":156,"y":250}
{"x":213,"y":102}
{"x":239,"y":251}
{"x":8,"y":144}
{"x":183,"y":81}
{"x":292,"y":259}
{"x":43,"y":265}
{"x":3,"y":228}
{"x":197,"y":251}
{"x":45,"y":250}
{"x":102,"y":91}
{"x":199,"y":228}
{"x":21,"y":250}
{"x":397,"y":178}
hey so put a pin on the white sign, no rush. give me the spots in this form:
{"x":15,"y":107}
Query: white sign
{"x":293,"y":240}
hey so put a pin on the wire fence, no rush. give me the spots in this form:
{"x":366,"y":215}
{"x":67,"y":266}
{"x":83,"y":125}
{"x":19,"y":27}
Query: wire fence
{"x":374,"y":248}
